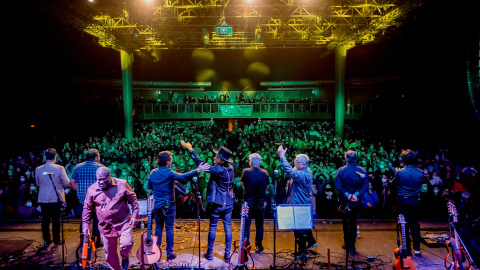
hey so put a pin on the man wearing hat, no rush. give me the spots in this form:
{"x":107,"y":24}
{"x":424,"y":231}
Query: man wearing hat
{"x":220,"y":196}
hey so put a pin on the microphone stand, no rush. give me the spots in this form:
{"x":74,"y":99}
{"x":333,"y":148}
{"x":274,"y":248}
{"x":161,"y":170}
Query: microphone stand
{"x":61,"y":221}
{"x":199,"y":204}
{"x":274,"y":220}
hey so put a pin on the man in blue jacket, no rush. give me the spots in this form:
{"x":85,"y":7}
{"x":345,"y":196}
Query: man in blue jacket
{"x":220,"y":196}
{"x":351,"y":182}
{"x":162,"y":182}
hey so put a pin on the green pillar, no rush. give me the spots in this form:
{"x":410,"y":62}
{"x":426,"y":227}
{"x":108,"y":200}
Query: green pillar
{"x":126,"y":59}
{"x":340,"y":56}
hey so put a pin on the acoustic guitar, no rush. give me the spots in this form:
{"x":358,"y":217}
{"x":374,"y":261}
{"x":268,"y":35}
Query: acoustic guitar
{"x":454,"y":247}
{"x":402,"y":261}
{"x":243,"y":249}
{"x":149,"y":252}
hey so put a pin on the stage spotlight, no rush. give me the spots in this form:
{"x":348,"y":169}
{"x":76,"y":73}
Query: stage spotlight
{"x":91,"y":1}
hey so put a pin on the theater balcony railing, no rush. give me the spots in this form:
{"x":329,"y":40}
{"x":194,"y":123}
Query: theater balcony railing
{"x":152,"y":111}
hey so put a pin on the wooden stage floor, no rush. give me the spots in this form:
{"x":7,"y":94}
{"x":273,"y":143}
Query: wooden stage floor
{"x":378,"y":239}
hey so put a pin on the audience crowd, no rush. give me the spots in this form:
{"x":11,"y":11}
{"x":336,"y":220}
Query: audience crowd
{"x":444,"y":179}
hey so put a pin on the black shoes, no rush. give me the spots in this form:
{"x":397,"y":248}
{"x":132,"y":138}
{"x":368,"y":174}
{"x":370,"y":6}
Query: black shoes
{"x":350,"y":249}
{"x":208,"y":255}
{"x":125,"y":264}
{"x":171,"y":257}
{"x":259,"y":249}
{"x":311,"y":246}
{"x":47,"y":243}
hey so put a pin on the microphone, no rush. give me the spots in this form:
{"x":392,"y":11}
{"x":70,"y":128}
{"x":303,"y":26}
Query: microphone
{"x":194,"y":179}
{"x":361,"y":175}
{"x":48,"y":173}
{"x":275,"y":172}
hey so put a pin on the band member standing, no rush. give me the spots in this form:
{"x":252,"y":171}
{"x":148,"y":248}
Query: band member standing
{"x":51,"y":179}
{"x":255,"y":181}
{"x":351,"y":182}
{"x":162,"y":182}
{"x":109,"y":198}
{"x":83,"y":177}
{"x":299,"y":191}
{"x":220,"y":196}
{"x":408,"y":182}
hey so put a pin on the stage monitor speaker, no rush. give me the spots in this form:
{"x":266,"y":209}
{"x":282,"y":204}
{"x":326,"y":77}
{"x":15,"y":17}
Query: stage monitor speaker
{"x":469,"y":234}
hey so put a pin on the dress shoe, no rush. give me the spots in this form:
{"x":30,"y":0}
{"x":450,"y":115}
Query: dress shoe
{"x":311,"y":246}
{"x":47,"y":243}
{"x":259,"y":249}
{"x":171,"y":257}
{"x":417,"y":252}
{"x":208,"y":255}
{"x":125,"y":264}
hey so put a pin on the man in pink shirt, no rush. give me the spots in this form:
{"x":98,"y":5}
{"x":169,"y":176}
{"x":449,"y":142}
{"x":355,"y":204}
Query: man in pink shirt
{"x":109,"y":198}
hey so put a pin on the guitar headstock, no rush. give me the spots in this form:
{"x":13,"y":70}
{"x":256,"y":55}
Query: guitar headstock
{"x":451,"y":208}
{"x":150,"y":203}
{"x":244,"y":208}
{"x":401,"y":219}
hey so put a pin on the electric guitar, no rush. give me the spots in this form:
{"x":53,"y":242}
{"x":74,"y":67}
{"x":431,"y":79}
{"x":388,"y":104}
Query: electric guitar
{"x":402,"y":261}
{"x":86,"y":246}
{"x":149,"y":252}
{"x":458,"y":252}
{"x":243,"y":251}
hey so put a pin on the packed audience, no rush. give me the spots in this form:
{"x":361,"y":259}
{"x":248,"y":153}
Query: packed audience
{"x":444,"y":179}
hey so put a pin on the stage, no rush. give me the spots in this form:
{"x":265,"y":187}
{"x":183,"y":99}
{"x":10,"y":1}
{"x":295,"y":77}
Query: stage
{"x":22,"y":247}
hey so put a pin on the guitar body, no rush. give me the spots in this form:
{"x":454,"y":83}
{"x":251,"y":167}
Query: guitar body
{"x":454,"y":247}
{"x":399,"y":261}
{"x":149,"y":252}
{"x":243,"y":250}
{"x":402,"y":261}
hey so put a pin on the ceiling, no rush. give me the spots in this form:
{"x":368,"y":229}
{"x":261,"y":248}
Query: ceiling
{"x":142,"y":27}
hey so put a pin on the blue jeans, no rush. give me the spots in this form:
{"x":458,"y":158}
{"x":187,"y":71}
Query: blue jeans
{"x":225,"y":213}
{"x":165,"y":217}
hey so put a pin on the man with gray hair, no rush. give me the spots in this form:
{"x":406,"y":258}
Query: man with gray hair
{"x":255,"y":182}
{"x":299,"y":191}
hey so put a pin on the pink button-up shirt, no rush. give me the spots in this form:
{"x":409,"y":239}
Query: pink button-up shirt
{"x":111,"y":207}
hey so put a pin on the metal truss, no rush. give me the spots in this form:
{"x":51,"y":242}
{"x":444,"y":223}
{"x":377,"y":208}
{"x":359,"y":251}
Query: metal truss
{"x":189,"y":24}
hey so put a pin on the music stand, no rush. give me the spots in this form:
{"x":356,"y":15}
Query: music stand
{"x":294,"y":217}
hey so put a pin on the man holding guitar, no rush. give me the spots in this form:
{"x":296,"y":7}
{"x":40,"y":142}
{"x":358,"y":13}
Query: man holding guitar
{"x":408,"y":182}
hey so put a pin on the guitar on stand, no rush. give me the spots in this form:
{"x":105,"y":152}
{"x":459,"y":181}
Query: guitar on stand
{"x":454,"y":246}
{"x":149,"y":252}
{"x":402,"y":261}
{"x":86,"y":246}
{"x":243,"y":251}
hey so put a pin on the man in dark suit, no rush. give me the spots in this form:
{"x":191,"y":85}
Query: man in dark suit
{"x":255,"y":181}
{"x":220,"y":196}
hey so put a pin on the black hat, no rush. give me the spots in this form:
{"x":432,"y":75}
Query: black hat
{"x":224,"y":154}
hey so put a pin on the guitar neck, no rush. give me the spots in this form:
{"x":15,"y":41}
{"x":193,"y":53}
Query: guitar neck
{"x":149,"y":225}
{"x":404,"y":241}
{"x":242,"y":237}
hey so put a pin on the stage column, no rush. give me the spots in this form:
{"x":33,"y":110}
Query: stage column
{"x":126,"y":59}
{"x":340,"y":57}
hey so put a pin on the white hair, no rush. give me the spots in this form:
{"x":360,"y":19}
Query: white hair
{"x":303,"y":159}
{"x":256,"y":159}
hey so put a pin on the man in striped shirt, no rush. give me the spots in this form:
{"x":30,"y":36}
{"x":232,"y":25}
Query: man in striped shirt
{"x":83,"y":177}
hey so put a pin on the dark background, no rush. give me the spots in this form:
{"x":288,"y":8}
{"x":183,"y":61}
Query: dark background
{"x":429,"y":104}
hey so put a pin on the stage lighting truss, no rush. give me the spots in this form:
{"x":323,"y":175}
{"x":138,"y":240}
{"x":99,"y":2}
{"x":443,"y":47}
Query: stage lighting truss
{"x":182,"y":24}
